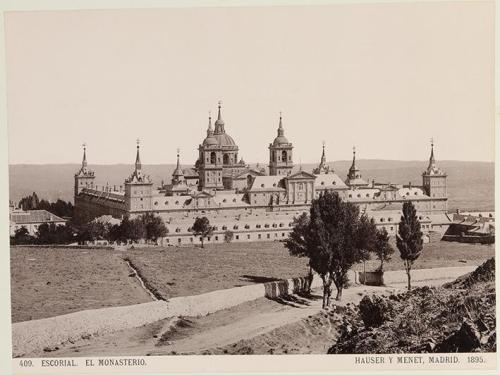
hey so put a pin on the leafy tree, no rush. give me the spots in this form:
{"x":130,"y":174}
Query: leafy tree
{"x":64,"y":234}
{"x":383,"y":249}
{"x":409,"y":238}
{"x":154,"y":226}
{"x":133,"y":229}
{"x":296,"y":242}
{"x":60,"y":208}
{"x":228,"y":236}
{"x":46,"y":234}
{"x":115,"y":233}
{"x":29,"y":203}
{"x":202,"y":228}
{"x":328,"y":237}
{"x":365,"y":239}
{"x":94,"y":230}
{"x":22,"y":237}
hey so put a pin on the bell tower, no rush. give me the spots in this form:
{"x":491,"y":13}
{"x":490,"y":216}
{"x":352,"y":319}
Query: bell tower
{"x":280,"y":153}
{"x":84,"y":178}
{"x":435,"y":184}
{"x":138,"y":188}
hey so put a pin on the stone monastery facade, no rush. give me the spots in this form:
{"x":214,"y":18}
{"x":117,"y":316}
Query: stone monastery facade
{"x":251,"y":203}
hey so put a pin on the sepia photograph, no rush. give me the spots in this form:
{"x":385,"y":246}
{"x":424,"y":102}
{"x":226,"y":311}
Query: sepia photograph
{"x":233,"y":180}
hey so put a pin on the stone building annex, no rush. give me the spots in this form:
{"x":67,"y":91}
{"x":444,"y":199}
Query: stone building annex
{"x":249,"y":202}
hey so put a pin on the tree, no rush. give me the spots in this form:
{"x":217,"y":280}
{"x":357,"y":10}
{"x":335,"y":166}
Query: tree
{"x":46,"y":234}
{"x":29,"y":203}
{"x":383,"y":249}
{"x":202,"y":228}
{"x":228,"y":236}
{"x":60,"y":208}
{"x":94,"y":230}
{"x":296,"y":243}
{"x":365,"y":239}
{"x":115,"y":233}
{"x":22,"y":237}
{"x":328,"y":237}
{"x":409,"y":238}
{"x":154,"y":226}
{"x":135,"y":230}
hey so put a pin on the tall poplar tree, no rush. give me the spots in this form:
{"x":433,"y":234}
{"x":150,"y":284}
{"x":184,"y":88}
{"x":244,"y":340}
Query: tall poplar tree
{"x":409,"y":238}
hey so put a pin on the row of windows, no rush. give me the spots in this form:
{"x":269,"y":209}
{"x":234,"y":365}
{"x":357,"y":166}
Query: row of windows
{"x":382,"y":219}
{"x":236,"y":227}
{"x":237,"y":237}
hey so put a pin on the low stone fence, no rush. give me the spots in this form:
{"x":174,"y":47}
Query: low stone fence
{"x":374,"y":278}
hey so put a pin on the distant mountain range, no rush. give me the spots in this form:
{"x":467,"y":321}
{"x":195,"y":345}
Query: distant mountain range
{"x":470,"y":184}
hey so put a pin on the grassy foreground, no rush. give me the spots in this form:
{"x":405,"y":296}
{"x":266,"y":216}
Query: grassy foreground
{"x":46,"y":281}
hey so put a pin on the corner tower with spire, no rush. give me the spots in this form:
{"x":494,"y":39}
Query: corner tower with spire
{"x":354,"y":178}
{"x":323,"y":167}
{"x":280,"y":153}
{"x":138,"y":188}
{"x":84,"y":178}
{"x":434,"y":184}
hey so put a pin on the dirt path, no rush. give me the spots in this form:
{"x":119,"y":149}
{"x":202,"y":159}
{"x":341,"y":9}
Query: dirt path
{"x":225,"y":327}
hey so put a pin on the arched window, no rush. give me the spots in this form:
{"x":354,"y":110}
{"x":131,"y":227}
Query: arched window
{"x":225,"y":159}
{"x":212,"y":157}
{"x":284,"y":156}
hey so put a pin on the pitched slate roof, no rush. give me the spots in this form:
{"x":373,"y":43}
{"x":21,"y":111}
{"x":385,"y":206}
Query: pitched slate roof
{"x":330,"y":181}
{"x":267,"y":183}
{"x":34,"y":216}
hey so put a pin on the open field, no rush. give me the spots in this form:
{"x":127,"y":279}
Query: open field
{"x":181,"y":271}
{"x":192,"y":270}
{"x":437,"y":254}
{"x":47,"y":282}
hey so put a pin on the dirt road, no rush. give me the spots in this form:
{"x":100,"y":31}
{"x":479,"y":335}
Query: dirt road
{"x":225,"y":327}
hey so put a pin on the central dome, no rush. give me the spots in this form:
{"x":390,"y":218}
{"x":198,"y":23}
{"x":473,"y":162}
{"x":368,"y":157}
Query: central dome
{"x":210,"y":141}
{"x":224,"y":139}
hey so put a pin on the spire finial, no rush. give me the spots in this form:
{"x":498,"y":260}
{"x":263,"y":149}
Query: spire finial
{"x":84,"y":160}
{"x":432,"y":161}
{"x":138,"y":158}
{"x":210,"y":131}
{"x":323,"y":157}
{"x":219,"y":117}
{"x":281,"y":130}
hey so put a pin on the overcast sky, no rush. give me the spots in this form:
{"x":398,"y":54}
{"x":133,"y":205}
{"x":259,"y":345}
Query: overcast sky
{"x":383,"y":77}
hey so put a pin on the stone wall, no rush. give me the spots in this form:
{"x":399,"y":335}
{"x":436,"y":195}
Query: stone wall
{"x":31,"y":337}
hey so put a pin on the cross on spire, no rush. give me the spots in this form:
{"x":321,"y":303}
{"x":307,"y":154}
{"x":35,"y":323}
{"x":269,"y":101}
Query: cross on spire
{"x":138,"y":165}
{"x":84,"y":160}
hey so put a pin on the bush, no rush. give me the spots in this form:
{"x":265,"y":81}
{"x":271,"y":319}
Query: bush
{"x":228,"y":236}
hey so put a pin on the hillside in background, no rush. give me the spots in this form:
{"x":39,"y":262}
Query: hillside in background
{"x":470,"y":184}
